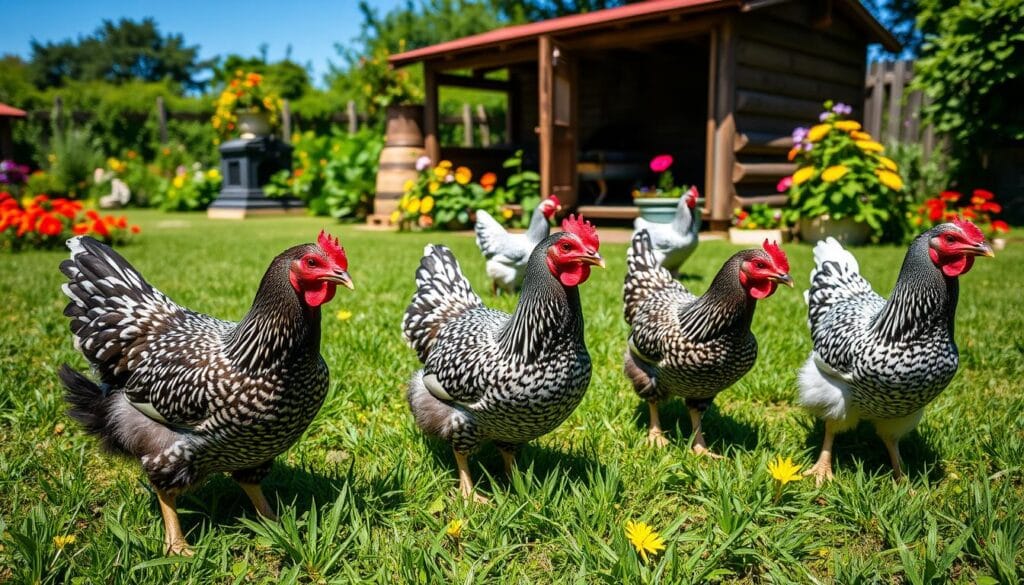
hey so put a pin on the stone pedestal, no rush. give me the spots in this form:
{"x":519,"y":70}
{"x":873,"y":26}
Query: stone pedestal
{"x":246,"y":165}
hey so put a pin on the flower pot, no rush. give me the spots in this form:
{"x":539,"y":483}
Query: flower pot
{"x":846,"y":231}
{"x":404,"y":125}
{"x":998,"y":244}
{"x":253,"y":124}
{"x":757,"y":237}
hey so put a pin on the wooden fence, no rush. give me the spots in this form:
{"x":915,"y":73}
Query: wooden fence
{"x":891,"y":113}
{"x":474,"y":120}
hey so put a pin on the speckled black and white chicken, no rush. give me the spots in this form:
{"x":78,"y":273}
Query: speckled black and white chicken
{"x":190,"y":395}
{"x":507,"y":254}
{"x":675,"y":241}
{"x":880,"y":359}
{"x":688,"y":346}
{"x":488,"y":375}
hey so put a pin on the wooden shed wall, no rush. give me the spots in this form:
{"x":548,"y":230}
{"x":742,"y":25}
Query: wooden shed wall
{"x":789,"y":59}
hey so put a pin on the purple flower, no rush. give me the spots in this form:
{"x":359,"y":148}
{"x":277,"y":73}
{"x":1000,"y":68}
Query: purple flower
{"x":808,"y":146}
{"x":422,"y":162}
{"x":842,"y":109}
{"x":799,"y":134}
{"x":824,"y":116}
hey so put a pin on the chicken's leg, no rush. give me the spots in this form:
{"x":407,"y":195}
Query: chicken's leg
{"x":508,"y":456}
{"x":655,"y":436}
{"x":466,"y":480}
{"x":259,"y":501}
{"x":174,"y":540}
{"x":822,"y":470}
{"x":699,"y":446}
{"x":893,"y":446}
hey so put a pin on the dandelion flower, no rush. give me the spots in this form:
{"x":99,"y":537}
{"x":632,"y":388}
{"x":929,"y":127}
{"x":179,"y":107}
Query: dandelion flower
{"x":61,"y":541}
{"x":454,"y":529}
{"x":343,"y":315}
{"x":784,"y":470}
{"x":816,"y":133}
{"x":834,"y":173}
{"x":848,"y":125}
{"x":426,"y":204}
{"x":869,"y":145}
{"x":802,"y":175}
{"x":507,"y":213}
{"x":644,"y":539}
{"x":890,"y":179}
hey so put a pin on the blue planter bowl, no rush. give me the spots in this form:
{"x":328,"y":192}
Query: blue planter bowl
{"x":657,"y":209}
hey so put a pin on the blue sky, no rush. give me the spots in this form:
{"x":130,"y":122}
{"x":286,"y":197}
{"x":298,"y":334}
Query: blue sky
{"x":311,"y":27}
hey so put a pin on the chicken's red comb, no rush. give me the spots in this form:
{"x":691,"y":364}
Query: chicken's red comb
{"x":969,"y":229}
{"x":777,"y":255}
{"x":554,"y":198}
{"x":583,"y":229}
{"x":691,"y":197}
{"x":330,"y":245}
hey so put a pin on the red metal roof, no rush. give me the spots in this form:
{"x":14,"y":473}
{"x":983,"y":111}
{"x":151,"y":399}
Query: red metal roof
{"x":11,"y":112}
{"x":604,"y":18}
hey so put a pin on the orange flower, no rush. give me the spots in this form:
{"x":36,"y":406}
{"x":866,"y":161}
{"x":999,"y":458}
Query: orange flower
{"x":80,"y":229}
{"x":136,"y":229}
{"x":50,"y":226}
{"x":100,"y":228}
{"x":793,"y":152}
{"x":488,"y":180}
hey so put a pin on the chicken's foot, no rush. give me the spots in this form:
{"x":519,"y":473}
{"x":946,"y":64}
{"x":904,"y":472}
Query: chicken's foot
{"x":655,"y":436}
{"x":259,"y":501}
{"x":174,"y":539}
{"x":699,"y":446}
{"x":466,"y":480}
{"x":822,"y":470}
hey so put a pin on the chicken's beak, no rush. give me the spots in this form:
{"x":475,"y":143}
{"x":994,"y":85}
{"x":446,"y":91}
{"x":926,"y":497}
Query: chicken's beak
{"x":982,"y":249}
{"x":593,"y":259}
{"x":340,"y":277}
{"x":783,"y":279}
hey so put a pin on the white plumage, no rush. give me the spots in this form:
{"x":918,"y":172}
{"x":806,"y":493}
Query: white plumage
{"x":674,"y":242}
{"x":507,"y":254}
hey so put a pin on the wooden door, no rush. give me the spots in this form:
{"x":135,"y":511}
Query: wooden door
{"x":557,"y":106}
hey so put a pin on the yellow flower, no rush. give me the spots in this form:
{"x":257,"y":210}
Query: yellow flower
{"x":396,"y":216}
{"x":61,"y":541}
{"x":784,"y":470}
{"x":507,"y":213}
{"x":343,"y":315}
{"x":848,"y":125}
{"x":409,"y":184}
{"x":445,"y":164}
{"x":802,"y":174}
{"x":179,"y":181}
{"x":433,"y":186}
{"x":888,"y":163}
{"x":463,"y":175}
{"x":860,"y":135}
{"x":454,"y":529}
{"x":213,"y":175}
{"x":440,"y":172}
{"x":869,"y":145}
{"x":890,"y":179}
{"x":818,"y":132}
{"x":426,"y":204}
{"x":413,"y":205}
{"x":644,"y":539}
{"x":834,"y":173}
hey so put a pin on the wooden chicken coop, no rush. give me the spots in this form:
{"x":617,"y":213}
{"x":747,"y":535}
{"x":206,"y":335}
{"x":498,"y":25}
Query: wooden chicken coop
{"x":718,"y":84}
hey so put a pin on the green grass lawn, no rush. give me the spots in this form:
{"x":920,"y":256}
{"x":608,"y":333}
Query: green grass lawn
{"x":363,"y":497}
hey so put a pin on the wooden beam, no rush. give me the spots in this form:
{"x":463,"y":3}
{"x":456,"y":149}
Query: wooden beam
{"x":778,"y":200}
{"x":760,"y":172}
{"x":485,"y":58}
{"x":431,"y":105}
{"x":762,"y":142}
{"x":793,"y":84}
{"x":777,"y":106}
{"x":725,"y":126}
{"x":639,"y":35}
{"x":765,"y":56}
{"x":762,"y":27}
{"x":449,"y":80}
{"x":545,"y":111}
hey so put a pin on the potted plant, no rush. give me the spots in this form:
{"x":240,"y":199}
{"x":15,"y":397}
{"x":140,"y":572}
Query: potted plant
{"x":979,"y":208}
{"x":757,"y":225}
{"x":446,"y":197}
{"x":844,"y":186}
{"x":658,"y":204}
{"x":246,"y":108}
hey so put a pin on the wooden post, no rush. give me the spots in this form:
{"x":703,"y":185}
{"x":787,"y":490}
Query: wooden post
{"x":512,"y":122}
{"x":892,"y":130}
{"x":913,"y":112}
{"x":725,"y":127}
{"x":873,"y":124}
{"x":485,"y":128}
{"x":161,"y":117}
{"x":709,"y":138}
{"x":467,"y":126}
{"x":928,"y":140}
{"x":353,"y":117}
{"x":430,"y":113}
{"x":286,"y":120}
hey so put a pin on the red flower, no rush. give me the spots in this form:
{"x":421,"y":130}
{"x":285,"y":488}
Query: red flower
{"x":50,"y":226}
{"x":136,"y":229}
{"x":991,"y":207}
{"x":936,"y":209}
{"x":92,"y":215}
{"x":80,"y":229}
{"x":999,"y":226}
{"x":488,"y":180}
{"x":122,"y":222}
{"x":984,"y":194}
{"x":949,"y":196}
{"x":4,"y":195}
{"x":969,"y":213}
{"x":100,"y":228}
{"x":661,"y":163}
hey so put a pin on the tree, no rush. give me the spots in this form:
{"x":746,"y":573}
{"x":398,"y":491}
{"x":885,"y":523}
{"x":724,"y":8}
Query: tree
{"x":117,"y":53}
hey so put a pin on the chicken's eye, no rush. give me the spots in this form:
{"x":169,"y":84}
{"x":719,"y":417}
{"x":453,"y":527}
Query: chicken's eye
{"x":310,"y":262}
{"x":566,"y":247}
{"x":760,"y":265}
{"x":950,"y":239}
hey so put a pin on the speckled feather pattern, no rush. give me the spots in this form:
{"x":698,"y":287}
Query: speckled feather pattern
{"x":684,"y":345}
{"x":896,"y":355}
{"x":508,"y":378}
{"x":232,"y":396}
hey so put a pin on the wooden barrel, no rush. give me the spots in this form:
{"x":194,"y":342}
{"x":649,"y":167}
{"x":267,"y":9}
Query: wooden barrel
{"x":397,"y":165}
{"x":404,"y":126}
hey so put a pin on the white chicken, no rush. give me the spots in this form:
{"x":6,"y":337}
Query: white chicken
{"x":674,"y":242}
{"x":507,"y":253}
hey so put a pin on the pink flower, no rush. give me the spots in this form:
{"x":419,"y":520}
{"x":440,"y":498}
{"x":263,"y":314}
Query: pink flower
{"x":422,"y":162}
{"x":661,"y":163}
{"x":784,"y":184}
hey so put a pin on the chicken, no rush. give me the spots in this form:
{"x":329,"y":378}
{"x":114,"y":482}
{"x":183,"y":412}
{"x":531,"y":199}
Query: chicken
{"x":507,"y":253}
{"x":674,"y":242}
{"x":491,"y":375}
{"x":688,"y":346}
{"x":884,"y":360}
{"x":190,"y":395}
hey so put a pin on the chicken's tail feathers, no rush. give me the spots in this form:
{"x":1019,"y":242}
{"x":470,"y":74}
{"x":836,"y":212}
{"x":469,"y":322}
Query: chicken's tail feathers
{"x":432,"y":415}
{"x":489,"y":233}
{"x":834,"y":278}
{"x":110,"y":305}
{"x":644,"y":274}
{"x":442,"y":293}
{"x":89,"y":404}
